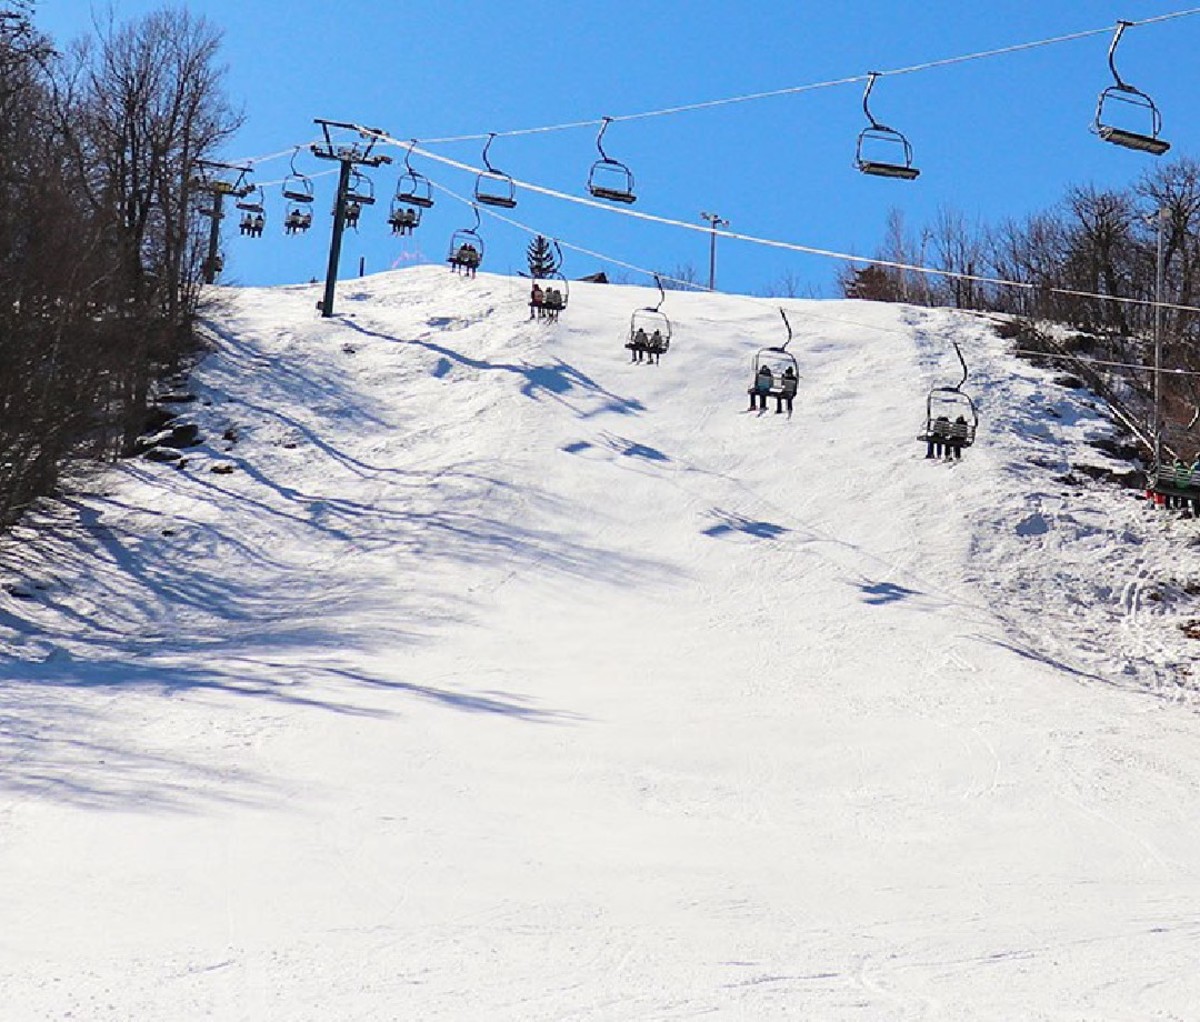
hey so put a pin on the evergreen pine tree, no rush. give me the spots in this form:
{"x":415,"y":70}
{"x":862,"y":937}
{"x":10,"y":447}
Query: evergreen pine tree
{"x":542,"y":259}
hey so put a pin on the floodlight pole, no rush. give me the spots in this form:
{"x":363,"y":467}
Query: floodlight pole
{"x":348,"y":157}
{"x":714,"y":222}
{"x":1159,"y":270}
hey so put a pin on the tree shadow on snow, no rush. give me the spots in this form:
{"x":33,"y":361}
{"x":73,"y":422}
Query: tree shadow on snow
{"x":555,"y":379}
{"x":103,"y":595}
{"x":55,"y":743}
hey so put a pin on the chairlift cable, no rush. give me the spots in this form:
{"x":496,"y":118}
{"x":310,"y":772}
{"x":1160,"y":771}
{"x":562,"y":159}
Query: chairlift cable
{"x":805,"y":249}
{"x":613,"y":261}
{"x":812,"y":86}
{"x":772,"y":93}
{"x":1103,"y":362}
{"x":591,"y":253}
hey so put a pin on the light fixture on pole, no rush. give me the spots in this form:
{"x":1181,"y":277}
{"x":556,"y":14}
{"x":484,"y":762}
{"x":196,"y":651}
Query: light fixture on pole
{"x":714,"y":222}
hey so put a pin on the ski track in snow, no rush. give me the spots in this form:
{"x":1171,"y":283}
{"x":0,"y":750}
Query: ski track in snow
{"x":492,"y":676}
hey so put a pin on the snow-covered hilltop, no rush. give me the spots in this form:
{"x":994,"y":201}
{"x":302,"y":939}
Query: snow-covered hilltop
{"x":466,"y":670}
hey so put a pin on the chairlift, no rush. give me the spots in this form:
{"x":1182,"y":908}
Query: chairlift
{"x":1142,"y":105}
{"x":252,"y":224}
{"x":775,"y":372}
{"x":1173,"y":483}
{"x":297,"y":219}
{"x":297,"y":187}
{"x":650,"y":330}
{"x":610,"y":179}
{"x":403,"y":218}
{"x":360,"y":189}
{"x":493,"y":187}
{"x":466,"y":248}
{"x":877,"y":141}
{"x":253,"y":201}
{"x":555,"y":294}
{"x":950,"y":416}
{"x":413,"y":188}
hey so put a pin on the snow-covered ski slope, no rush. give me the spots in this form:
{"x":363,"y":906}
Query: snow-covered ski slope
{"x":502,"y":679}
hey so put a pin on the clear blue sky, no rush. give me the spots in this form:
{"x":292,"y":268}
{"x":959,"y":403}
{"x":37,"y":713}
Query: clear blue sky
{"x":994,"y":138}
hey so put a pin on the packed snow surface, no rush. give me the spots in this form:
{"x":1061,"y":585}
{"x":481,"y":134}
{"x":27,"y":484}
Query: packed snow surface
{"x":467,"y":670}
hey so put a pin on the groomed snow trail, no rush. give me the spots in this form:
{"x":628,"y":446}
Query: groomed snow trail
{"x":503,"y":679}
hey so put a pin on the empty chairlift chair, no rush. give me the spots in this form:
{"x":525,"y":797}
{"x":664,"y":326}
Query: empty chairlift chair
{"x":493,"y":187}
{"x":1121,"y":97}
{"x":610,"y":179}
{"x":882,"y":151}
{"x":413,"y":188}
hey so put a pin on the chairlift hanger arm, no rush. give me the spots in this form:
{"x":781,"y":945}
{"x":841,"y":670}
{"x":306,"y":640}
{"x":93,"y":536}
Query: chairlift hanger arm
{"x":600,"y":140}
{"x":662,"y":294}
{"x":871,"y":76}
{"x":1112,"y":50}
{"x":961,"y":361}
{"x":487,"y":162}
{"x":783,"y":347}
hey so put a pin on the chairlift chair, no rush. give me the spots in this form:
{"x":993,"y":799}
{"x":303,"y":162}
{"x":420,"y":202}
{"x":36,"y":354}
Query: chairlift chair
{"x":878,"y":140}
{"x":466,"y":247}
{"x":360,"y":189}
{"x":782,"y":364}
{"x":1121,"y":92}
{"x":413,"y":188}
{"x":403,"y":218}
{"x":253,"y":201}
{"x":1171,"y":482}
{"x":950,"y":416}
{"x":556,"y":292}
{"x":297,"y":187}
{"x":252,"y":225}
{"x":654,"y":328}
{"x":493,"y":187}
{"x":297,"y":218}
{"x":943,"y":408}
{"x":610,"y":179}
